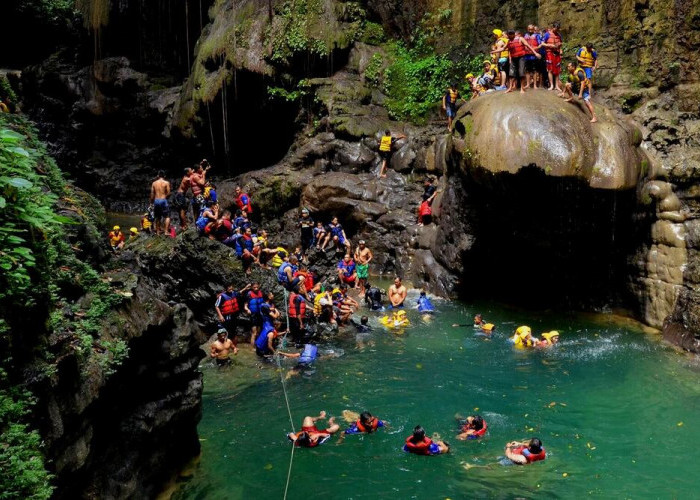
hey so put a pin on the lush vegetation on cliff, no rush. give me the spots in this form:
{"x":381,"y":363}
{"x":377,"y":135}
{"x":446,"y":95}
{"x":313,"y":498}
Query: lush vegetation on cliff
{"x":44,"y":222}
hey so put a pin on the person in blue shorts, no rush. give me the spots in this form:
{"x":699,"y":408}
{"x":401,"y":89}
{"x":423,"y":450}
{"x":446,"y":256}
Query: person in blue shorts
{"x":160,"y":189}
{"x":449,"y":103}
{"x":579,"y":83}
{"x":587,"y":58}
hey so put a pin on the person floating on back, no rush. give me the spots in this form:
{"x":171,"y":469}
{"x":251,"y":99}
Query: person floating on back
{"x":525,"y":453}
{"x":419,"y":444}
{"x":310,"y":436}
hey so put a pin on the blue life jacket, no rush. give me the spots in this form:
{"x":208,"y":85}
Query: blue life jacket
{"x":261,"y":342}
{"x":309,"y":353}
{"x":281,"y":274}
{"x":255,"y":301}
{"x":337,"y":230}
{"x":424,"y":304}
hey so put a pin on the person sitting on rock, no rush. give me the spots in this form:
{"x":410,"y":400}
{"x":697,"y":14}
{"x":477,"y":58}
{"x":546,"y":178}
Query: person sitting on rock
{"x":116,"y":239}
{"x":241,"y":221}
{"x":449,"y":103}
{"x":207,"y":220}
{"x":346,"y":271}
{"x":133,"y":234}
{"x":579,"y":83}
{"x":246,"y":250}
{"x":319,"y":234}
{"x":336,"y":233}
{"x":285,"y":276}
{"x":310,"y":282}
{"x":243,"y":201}
{"x":221,"y":348}
{"x":223,"y":231}
{"x":146,"y":223}
{"x":488,"y":79}
{"x":386,"y":149}
{"x":520,"y":453}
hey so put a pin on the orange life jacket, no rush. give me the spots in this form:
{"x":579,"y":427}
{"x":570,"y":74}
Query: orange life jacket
{"x":293,"y":306}
{"x":373,"y":424}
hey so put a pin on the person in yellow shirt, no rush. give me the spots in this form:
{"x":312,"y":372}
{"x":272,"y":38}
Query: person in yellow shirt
{"x":386,"y":147}
{"x":116,"y":239}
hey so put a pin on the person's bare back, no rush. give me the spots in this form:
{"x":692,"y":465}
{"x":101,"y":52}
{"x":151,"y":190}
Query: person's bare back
{"x":160,"y":189}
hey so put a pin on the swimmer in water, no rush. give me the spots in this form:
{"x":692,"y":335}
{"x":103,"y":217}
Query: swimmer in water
{"x":222,"y":347}
{"x":310,"y":436}
{"x":419,"y":444}
{"x":548,"y":339}
{"x":521,"y":453}
{"x":472,"y":427}
{"x":425,"y":306}
{"x":364,"y":423}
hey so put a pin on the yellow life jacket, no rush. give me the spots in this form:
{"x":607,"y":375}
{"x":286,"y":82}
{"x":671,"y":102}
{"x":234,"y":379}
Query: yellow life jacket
{"x":385,"y":144}
{"x":115,"y":237}
{"x":206,"y":192}
{"x":454,"y":95}
{"x":574,"y":78}
{"x":504,"y":39}
{"x":587,"y":58}
{"x":4,"y":108}
{"x":277,"y":261}
{"x":317,"y":304}
{"x":263,"y":242}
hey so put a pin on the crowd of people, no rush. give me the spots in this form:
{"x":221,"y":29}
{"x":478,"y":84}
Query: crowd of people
{"x":530,"y":59}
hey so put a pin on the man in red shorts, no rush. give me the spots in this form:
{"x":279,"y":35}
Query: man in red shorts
{"x":310,"y":436}
{"x":552,"y":44}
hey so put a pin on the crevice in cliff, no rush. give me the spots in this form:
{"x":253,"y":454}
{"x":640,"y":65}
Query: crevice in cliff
{"x":544,"y":241}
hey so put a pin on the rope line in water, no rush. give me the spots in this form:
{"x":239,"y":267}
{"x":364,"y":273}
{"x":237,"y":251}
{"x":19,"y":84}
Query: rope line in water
{"x":286,"y":397}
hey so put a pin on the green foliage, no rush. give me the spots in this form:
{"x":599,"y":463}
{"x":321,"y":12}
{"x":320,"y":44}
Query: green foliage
{"x":296,"y":17}
{"x":21,"y":460}
{"x":52,"y":11}
{"x":294,"y":95}
{"x":372,"y":33}
{"x":373,"y":71}
{"x":6,"y":90}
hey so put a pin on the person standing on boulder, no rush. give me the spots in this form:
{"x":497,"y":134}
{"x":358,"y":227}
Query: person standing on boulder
{"x":180,"y":202}
{"x":552,"y":43}
{"x":518,"y":48}
{"x":386,"y":149}
{"x":363,"y":256}
{"x":160,"y":189}
{"x":587,"y":59}
{"x":499,"y":53}
{"x":449,"y":103}
{"x":198,"y":180}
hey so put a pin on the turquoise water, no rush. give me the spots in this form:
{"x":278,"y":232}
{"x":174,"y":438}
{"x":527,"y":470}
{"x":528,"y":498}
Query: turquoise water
{"x":616,"y":410}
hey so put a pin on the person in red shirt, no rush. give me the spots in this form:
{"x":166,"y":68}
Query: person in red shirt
{"x":425,"y":211}
{"x":243,"y":200}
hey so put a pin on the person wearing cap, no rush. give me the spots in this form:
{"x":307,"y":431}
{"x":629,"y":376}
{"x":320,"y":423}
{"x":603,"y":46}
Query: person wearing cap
{"x":116,"y":238}
{"x":548,"y":339}
{"x":222,"y":347}
{"x":306,"y":225}
{"x":363,"y":256}
{"x":133,"y":234}
{"x":499,"y":54}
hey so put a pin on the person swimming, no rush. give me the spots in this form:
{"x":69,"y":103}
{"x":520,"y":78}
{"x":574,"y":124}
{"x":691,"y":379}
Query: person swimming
{"x":424,"y":304}
{"x":419,"y":444}
{"x":523,"y":338}
{"x":520,"y":453}
{"x":310,"y":436}
{"x":473,"y":427}
{"x":398,"y":319}
{"x":366,"y":423}
{"x":548,"y":339}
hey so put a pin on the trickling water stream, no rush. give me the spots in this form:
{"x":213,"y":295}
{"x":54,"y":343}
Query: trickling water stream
{"x":616,"y":409}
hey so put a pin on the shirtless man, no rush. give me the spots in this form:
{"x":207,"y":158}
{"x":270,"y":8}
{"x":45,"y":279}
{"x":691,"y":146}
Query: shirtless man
{"x":160,"y":189}
{"x":180,"y":202}
{"x":221,"y":348}
{"x":397,"y":294}
{"x":363,"y":256}
{"x":310,"y":436}
{"x":198,"y":180}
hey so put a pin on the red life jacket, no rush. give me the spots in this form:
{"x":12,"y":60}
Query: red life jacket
{"x":422,"y":448}
{"x":425,"y":209}
{"x":229,"y":305}
{"x":516,"y":48}
{"x":293,"y":306}
{"x":532,"y":40}
{"x":533,"y":457}
{"x":478,"y":433}
{"x":308,"y":278}
{"x":553,"y":39}
{"x":241,"y":205}
{"x":374,"y":423}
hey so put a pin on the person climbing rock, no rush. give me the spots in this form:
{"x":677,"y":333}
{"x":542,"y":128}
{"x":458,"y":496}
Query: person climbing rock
{"x":449,"y":103}
{"x":116,"y":239}
{"x":363,"y":256}
{"x":419,"y":444}
{"x":386,"y":149}
{"x":397,"y":293}
{"x":425,"y":210}
{"x":180,"y":201}
{"x":243,"y":201}
{"x":525,"y":453}
{"x":552,"y":43}
{"x":578,"y":83}
{"x":428,"y":188}
{"x":222,"y":347}
{"x":310,"y":436}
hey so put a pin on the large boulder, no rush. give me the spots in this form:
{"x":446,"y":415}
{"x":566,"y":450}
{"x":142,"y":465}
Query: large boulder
{"x":506,"y":132}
